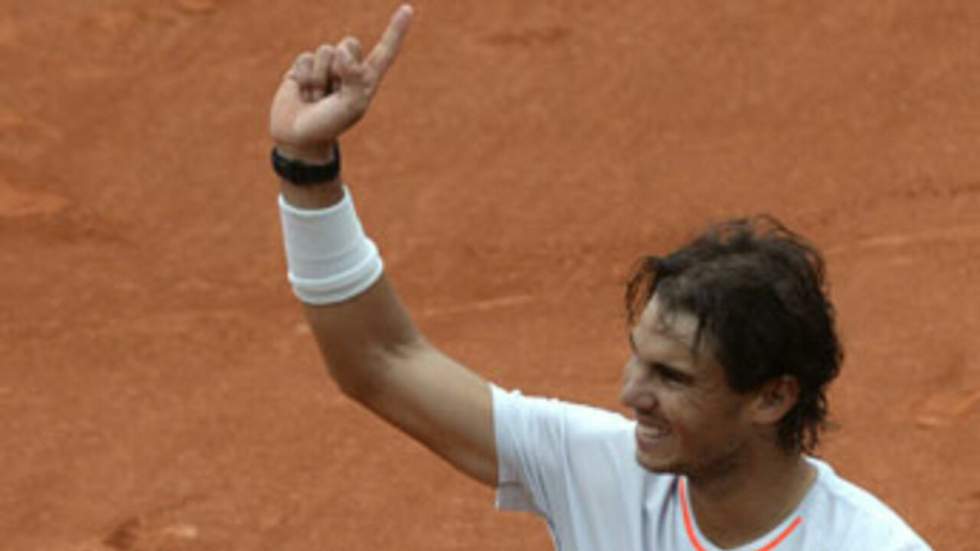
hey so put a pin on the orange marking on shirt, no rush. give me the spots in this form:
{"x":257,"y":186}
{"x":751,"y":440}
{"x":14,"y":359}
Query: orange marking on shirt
{"x":689,"y":524}
{"x":785,"y":534}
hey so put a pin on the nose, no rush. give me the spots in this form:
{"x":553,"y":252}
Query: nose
{"x":636,"y":394}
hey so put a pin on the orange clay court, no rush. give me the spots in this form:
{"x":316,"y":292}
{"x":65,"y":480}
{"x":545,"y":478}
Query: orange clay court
{"x":159,"y":389}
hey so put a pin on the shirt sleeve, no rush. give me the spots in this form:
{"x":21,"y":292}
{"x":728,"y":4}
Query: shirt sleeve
{"x":537,"y":472}
{"x":526,"y":473}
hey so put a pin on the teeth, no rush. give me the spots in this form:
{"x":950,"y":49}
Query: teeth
{"x":652,"y":432}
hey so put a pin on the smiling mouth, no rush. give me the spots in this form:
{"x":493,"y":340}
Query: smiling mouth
{"x":649,"y":436}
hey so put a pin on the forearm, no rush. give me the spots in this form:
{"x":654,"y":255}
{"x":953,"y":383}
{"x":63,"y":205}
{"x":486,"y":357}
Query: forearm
{"x":370,"y":345}
{"x":375,"y":353}
{"x":359,"y":337}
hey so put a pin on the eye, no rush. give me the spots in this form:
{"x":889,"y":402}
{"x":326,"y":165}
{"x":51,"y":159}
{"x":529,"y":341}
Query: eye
{"x":669,"y":374}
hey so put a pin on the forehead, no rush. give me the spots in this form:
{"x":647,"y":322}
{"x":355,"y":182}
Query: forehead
{"x":659,"y":322}
{"x":667,"y":335}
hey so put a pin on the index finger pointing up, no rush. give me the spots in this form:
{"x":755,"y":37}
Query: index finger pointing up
{"x":386,"y":49}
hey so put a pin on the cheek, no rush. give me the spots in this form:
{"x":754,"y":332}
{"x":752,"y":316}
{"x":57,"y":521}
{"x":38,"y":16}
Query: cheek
{"x":688,"y":415}
{"x":706,"y":426}
{"x":680,"y":412}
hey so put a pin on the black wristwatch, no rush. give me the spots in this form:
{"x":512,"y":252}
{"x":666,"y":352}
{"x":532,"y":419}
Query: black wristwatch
{"x":304,"y":174}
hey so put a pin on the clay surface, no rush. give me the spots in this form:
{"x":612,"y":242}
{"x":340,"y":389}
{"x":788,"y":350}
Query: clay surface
{"x":159,"y":389}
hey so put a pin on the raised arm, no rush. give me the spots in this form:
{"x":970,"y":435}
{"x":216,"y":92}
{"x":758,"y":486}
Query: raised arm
{"x":371,"y":347}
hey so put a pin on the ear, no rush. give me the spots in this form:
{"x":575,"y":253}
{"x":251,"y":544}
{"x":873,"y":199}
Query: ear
{"x":775,"y":399}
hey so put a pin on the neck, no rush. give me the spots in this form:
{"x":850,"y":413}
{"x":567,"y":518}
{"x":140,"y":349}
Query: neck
{"x":751,"y":498}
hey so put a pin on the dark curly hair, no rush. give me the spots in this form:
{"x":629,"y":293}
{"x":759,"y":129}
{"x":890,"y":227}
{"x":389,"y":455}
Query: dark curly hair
{"x":758,"y":293}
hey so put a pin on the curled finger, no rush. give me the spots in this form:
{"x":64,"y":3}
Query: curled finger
{"x":353,"y":47}
{"x":303,"y":74}
{"x":320,"y":77}
{"x":345,"y":67}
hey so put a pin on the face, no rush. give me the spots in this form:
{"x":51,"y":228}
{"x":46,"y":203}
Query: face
{"x":688,"y":420}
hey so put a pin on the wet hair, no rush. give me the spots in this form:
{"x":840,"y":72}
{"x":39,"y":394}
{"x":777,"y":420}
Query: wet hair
{"x":759,"y":295}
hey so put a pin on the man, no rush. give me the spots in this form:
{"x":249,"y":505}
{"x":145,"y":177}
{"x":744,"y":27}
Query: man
{"x":732,"y":343}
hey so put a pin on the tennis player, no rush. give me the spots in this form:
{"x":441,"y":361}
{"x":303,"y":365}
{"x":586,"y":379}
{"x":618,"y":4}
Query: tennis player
{"x":732,"y":346}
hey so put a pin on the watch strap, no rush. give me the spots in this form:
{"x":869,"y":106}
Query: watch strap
{"x":305,"y":174}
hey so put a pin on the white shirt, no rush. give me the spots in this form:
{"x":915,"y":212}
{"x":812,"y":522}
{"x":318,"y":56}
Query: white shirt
{"x":575,"y":466}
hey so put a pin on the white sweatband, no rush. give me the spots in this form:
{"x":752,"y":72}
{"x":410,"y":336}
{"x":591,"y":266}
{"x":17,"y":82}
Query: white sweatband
{"x":329,"y":258}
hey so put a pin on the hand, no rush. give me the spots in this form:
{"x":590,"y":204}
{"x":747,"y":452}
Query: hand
{"x":326,"y":93}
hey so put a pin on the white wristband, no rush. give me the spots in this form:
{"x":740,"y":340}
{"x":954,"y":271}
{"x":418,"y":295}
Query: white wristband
{"x":330,"y":259}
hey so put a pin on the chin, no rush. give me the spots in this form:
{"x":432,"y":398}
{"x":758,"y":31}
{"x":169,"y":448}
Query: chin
{"x":659,"y":466}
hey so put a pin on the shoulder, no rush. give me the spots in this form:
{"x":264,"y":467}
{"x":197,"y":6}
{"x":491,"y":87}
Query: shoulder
{"x":566,"y":460}
{"x":550,"y":414}
{"x":573,"y":438}
{"x":856,"y":516}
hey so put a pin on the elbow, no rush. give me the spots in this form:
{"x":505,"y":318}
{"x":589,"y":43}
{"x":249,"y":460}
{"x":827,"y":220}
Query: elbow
{"x":365,"y":376}
{"x":357,"y":386}
{"x":362,"y":376}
